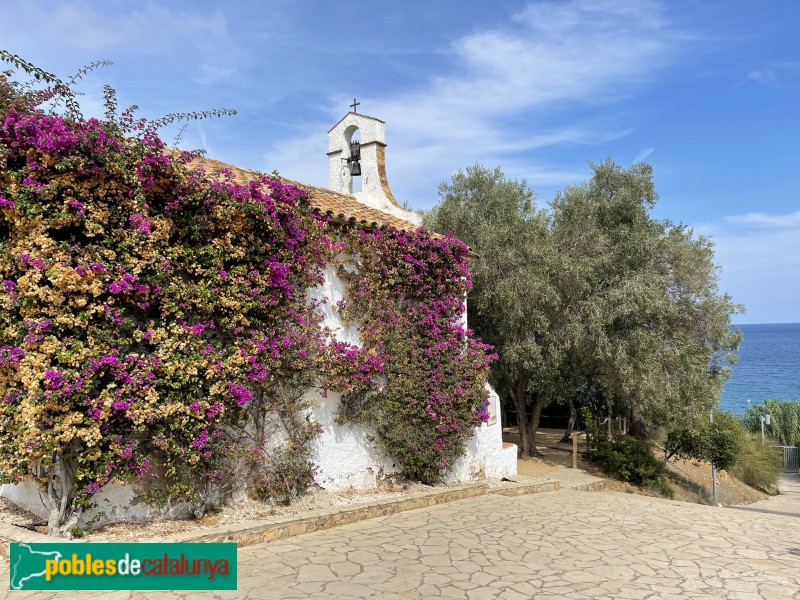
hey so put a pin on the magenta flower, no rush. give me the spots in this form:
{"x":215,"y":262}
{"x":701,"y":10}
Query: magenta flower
{"x":240,"y":394}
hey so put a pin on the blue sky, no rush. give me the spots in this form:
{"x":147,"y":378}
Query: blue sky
{"x":707,"y":92}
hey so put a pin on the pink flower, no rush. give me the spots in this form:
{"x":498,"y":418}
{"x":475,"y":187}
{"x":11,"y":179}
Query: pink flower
{"x":240,"y":394}
{"x":140,"y":222}
{"x":201,"y":440}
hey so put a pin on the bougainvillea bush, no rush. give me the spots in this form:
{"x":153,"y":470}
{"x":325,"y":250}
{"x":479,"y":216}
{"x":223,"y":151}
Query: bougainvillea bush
{"x":407,"y":296}
{"x":155,"y":326}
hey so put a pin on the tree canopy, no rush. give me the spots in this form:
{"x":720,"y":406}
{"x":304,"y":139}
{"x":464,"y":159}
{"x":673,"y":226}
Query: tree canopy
{"x":593,"y":297}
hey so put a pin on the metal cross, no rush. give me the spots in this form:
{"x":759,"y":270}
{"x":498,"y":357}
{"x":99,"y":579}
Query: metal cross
{"x":354,"y":104}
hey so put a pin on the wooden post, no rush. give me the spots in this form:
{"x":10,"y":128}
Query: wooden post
{"x":574,"y":450}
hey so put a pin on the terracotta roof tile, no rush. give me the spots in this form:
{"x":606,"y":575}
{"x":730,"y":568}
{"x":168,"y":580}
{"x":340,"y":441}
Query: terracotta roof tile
{"x":341,"y":207}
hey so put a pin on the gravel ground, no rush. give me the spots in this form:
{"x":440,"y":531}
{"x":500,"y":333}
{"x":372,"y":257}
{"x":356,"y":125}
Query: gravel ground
{"x":14,"y":515}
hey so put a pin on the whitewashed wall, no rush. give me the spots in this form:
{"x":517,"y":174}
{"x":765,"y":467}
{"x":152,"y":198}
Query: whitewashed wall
{"x":26,"y":495}
{"x":342,"y":453}
{"x":116,"y":501}
{"x":346,"y":459}
{"x":486,"y":454}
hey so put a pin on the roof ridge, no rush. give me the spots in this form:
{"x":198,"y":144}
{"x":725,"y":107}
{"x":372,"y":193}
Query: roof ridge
{"x":343,"y":207}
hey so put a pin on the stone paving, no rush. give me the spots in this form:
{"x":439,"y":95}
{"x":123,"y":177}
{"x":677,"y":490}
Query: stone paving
{"x":568,"y":544}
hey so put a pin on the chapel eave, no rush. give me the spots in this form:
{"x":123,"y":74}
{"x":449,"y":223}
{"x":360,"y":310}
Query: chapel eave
{"x":355,"y":113}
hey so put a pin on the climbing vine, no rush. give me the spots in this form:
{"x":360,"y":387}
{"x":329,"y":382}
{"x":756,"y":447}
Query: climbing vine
{"x":148,"y":313}
{"x":406,"y":294}
{"x":156,"y":325}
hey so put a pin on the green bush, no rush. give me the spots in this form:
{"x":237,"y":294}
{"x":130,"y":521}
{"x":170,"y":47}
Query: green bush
{"x":785,"y":420}
{"x":628,"y":459}
{"x":286,"y":473}
{"x":726,"y":439}
{"x":719,"y":442}
{"x":726,"y":443}
{"x":759,"y":465}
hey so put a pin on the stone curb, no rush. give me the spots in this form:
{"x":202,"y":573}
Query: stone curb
{"x":594,"y":486}
{"x":527,"y":488}
{"x":257,"y":532}
{"x":12,"y":533}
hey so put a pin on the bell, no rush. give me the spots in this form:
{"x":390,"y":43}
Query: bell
{"x":355,"y":150}
{"x":355,"y":167}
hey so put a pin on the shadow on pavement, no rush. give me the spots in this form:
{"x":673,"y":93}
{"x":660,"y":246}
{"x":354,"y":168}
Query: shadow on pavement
{"x":763,"y":510}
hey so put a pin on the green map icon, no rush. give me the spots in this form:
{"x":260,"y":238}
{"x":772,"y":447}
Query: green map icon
{"x":28,"y":564}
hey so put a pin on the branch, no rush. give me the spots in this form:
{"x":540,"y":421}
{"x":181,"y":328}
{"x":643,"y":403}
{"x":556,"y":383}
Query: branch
{"x":190,"y":116}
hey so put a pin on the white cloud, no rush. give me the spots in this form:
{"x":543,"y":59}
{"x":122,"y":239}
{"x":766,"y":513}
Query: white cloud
{"x":773,"y":75}
{"x":643,"y":154}
{"x":211,"y":74}
{"x":766,"y":77}
{"x":549,"y":56}
{"x":148,"y":27}
{"x":199,"y":39}
{"x":301,"y":158}
{"x":761,"y":265}
{"x":791,"y":220}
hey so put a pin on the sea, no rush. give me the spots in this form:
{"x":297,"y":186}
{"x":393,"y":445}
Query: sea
{"x":768,"y":367}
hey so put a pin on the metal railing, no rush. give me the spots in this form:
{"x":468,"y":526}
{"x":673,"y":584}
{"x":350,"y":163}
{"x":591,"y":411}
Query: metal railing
{"x":545,"y":421}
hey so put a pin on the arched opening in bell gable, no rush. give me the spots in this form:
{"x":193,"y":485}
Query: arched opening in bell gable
{"x":352,"y":137}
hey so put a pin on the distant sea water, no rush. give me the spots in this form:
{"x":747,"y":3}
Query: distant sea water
{"x":768,"y":367}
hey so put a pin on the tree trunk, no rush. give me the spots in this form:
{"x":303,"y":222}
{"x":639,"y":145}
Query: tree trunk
{"x":527,"y":440}
{"x":60,"y":483}
{"x":522,"y":423}
{"x":573,"y":419}
{"x":533,"y":425}
{"x":600,"y":400}
{"x":637,"y":427}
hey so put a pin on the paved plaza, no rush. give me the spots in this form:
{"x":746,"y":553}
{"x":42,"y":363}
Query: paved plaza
{"x":568,"y":544}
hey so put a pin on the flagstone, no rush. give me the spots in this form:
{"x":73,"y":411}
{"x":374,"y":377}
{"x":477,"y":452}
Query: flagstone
{"x":435,"y":552}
